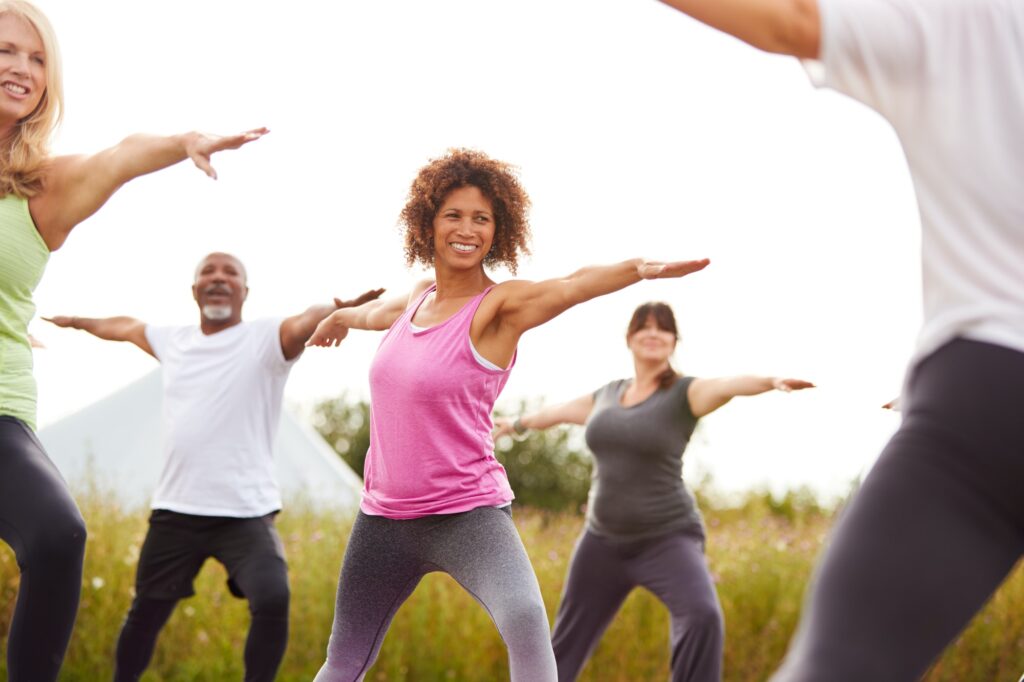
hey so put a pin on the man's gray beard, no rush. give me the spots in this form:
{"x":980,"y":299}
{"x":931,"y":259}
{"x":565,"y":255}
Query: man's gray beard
{"x":217,"y":313}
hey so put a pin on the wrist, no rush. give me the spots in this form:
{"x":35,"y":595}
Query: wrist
{"x":519,"y":428}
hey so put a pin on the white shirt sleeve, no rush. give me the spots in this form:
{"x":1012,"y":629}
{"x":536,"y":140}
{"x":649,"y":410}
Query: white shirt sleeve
{"x":268,"y":345}
{"x":880,"y":52}
{"x":158,"y":339}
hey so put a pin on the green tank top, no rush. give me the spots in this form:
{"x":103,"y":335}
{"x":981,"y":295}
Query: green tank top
{"x":23,"y":257}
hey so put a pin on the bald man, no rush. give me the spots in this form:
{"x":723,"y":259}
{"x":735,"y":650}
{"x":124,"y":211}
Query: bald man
{"x":217,"y":496}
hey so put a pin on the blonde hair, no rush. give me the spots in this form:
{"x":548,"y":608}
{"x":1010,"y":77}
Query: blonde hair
{"x":25,"y":154}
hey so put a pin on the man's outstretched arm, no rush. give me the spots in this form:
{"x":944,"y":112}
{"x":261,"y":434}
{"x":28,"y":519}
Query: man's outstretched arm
{"x":108,"y":328}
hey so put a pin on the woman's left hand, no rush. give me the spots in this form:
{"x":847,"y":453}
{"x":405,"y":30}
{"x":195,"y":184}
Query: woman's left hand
{"x":653,"y":269}
{"x":200,"y":146}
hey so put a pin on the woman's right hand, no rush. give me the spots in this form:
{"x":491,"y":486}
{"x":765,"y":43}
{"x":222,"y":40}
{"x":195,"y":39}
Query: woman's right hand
{"x":502,"y":427}
{"x":330,"y":332}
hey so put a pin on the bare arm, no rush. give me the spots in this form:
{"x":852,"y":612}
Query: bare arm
{"x":573,"y":412}
{"x":525,"y":305}
{"x":108,"y":328}
{"x":707,"y":395}
{"x":790,"y":27}
{"x":77,"y":186}
{"x":377,"y":315}
{"x":296,"y":330}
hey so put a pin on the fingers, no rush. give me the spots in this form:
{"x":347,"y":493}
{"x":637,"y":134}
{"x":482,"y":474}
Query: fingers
{"x":789,"y":385}
{"x":683,"y":268}
{"x":202,"y":162}
{"x":659,"y":270}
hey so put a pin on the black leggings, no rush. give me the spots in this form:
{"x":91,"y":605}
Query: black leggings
{"x":42,"y":524}
{"x":934,"y":530}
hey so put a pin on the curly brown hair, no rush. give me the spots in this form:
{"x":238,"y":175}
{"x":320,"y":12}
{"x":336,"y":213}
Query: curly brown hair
{"x":467,"y":168}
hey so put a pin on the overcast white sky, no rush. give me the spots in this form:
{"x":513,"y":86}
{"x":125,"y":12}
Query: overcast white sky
{"x":637,"y":131}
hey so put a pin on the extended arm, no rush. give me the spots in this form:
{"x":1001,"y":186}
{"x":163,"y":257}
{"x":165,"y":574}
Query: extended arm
{"x":376,"y":315}
{"x":77,"y":186}
{"x":108,"y":328}
{"x":790,"y":27}
{"x":295,"y":331}
{"x":525,"y":305}
{"x":707,"y":395}
{"x":573,"y":412}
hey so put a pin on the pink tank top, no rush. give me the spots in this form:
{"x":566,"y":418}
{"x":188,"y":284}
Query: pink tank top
{"x":430,"y":422}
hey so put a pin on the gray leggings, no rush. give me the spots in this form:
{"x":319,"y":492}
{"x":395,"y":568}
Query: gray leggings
{"x":673,"y":568}
{"x":480,"y":549}
{"x":933,"y":531}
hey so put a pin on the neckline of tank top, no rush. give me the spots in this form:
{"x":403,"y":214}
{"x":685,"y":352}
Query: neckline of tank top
{"x":417,"y":329}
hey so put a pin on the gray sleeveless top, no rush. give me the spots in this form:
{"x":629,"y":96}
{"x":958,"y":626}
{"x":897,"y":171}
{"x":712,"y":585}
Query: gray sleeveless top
{"x":637,"y":489}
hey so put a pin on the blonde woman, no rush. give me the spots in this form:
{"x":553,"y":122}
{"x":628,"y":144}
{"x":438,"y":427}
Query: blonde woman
{"x":42,"y":198}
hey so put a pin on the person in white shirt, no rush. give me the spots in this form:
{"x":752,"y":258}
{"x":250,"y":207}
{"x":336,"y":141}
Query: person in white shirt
{"x":939,"y":521}
{"x":217,"y":497}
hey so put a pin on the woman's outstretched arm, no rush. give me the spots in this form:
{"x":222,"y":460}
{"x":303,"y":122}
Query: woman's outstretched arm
{"x":525,"y":305}
{"x":707,"y":395}
{"x":572,"y":412}
{"x":77,"y":186}
{"x":376,"y":315}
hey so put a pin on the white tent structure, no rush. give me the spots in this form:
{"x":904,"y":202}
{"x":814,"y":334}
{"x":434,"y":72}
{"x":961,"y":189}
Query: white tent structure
{"x":115,"y":443}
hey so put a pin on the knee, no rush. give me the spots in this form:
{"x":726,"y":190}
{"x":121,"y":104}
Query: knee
{"x":58,"y":543}
{"x":525,"y":617}
{"x":270,"y":601}
{"x":704,"y":618}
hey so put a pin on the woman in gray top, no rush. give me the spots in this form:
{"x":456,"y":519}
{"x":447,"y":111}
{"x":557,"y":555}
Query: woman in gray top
{"x":643,"y":527}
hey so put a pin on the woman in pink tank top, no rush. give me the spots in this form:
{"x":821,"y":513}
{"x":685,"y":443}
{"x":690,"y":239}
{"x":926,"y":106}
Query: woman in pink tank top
{"x":434,"y":497}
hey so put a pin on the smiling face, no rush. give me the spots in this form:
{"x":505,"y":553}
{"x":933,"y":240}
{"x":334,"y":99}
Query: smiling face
{"x":651,"y":342}
{"x":463,"y":229}
{"x":220,"y":289}
{"x":652,"y":333}
{"x":22,"y":70}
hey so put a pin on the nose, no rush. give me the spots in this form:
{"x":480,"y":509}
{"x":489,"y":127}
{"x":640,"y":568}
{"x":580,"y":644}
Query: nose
{"x":21,"y":64}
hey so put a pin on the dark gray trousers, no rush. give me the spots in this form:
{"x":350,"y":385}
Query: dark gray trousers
{"x":933,"y":531}
{"x":480,"y":549}
{"x":673,"y":568}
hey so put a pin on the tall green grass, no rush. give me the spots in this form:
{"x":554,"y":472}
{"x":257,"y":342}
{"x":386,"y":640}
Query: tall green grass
{"x":760,"y":555}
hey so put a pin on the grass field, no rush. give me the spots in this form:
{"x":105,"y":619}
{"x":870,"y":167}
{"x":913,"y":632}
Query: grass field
{"x":760,"y":553}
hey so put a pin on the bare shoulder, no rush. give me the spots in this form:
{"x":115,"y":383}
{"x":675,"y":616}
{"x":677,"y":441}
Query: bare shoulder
{"x":418,"y":289}
{"x":511,"y":289}
{"x":60,"y":168}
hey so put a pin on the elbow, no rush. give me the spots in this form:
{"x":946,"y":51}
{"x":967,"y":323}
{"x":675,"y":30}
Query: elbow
{"x":794,"y":30}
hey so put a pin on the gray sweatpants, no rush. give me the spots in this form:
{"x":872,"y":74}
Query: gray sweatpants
{"x":673,"y":568}
{"x":480,"y":549}
{"x":935,"y":528}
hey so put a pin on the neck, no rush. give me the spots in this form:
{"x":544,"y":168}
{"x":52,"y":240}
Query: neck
{"x":213,"y":326}
{"x":460,"y":283}
{"x":647,"y":373}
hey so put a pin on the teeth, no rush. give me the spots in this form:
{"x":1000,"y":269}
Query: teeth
{"x":465,"y":248}
{"x":14,"y":87}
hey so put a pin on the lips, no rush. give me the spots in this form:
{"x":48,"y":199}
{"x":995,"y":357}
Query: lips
{"x":16,"y":89}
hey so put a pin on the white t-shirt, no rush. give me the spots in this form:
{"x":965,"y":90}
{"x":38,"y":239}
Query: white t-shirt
{"x":949,"y":76}
{"x":221,"y":408}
